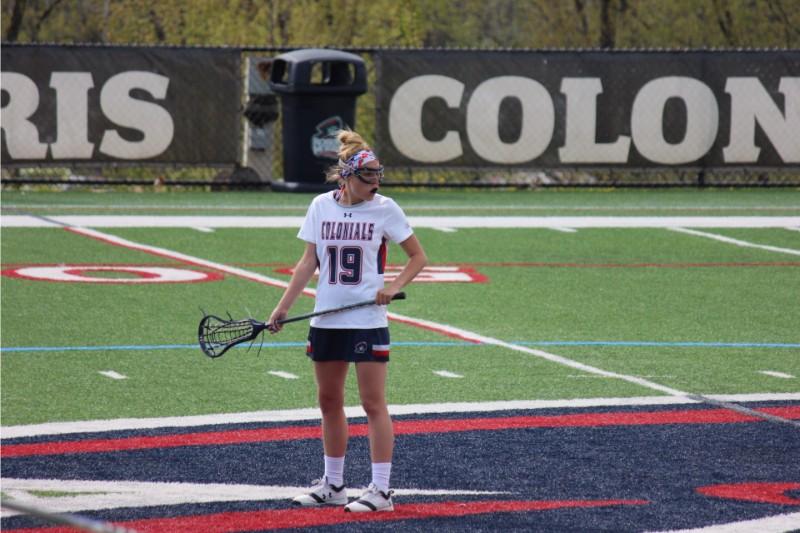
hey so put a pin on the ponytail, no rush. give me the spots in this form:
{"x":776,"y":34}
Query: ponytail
{"x":350,"y":143}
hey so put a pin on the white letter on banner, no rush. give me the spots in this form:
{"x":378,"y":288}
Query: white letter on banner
{"x":405,"y":118}
{"x":580,"y":144}
{"x":72,"y":114}
{"x":702,"y":120}
{"x":483,"y":118}
{"x":152,"y":120}
{"x":750,"y":102}
{"x":21,"y":135}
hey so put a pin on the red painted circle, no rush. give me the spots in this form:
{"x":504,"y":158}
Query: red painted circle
{"x":82,"y":274}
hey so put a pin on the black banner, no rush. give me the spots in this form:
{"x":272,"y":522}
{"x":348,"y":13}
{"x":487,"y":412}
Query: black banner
{"x":589,"y":109}
{"x":120,"y":104}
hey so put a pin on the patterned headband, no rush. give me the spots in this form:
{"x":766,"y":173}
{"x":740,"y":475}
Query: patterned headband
{"x":356,"y":162}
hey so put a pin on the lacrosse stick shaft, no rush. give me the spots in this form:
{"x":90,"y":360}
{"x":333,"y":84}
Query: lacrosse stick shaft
{"x":398,"y":296}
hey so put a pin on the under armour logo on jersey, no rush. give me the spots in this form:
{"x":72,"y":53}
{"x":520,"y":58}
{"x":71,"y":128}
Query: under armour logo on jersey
{"x":348,"y":215}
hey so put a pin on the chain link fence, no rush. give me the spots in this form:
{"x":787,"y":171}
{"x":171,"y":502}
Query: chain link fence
{"x":234,"y":133}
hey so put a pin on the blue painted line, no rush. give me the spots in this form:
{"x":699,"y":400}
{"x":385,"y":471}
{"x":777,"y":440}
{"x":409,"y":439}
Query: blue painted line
{"x":663,"y":344}
{"x":427,"y":344}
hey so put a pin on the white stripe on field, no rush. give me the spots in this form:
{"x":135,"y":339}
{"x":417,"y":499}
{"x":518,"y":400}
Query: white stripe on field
{"x":563,"y":230}
{"x":736,"y":242}
{"x":282,"y":374}
{"x":90,"y":495}
{"x":773,"y":524}
{"x":447,"y":374}
{"x":111,"y":374}
{"x":451,"y":222}
{"x":775,"y":374}
{"x":296,"y":415}
{"x":423,"y":207}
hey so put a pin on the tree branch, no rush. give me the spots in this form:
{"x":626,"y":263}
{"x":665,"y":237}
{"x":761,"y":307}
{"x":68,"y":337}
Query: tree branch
{"x":161,"y":36}
{"x":17,"y":15}
{"x":606,"y":25}
{"x":725,"y":22}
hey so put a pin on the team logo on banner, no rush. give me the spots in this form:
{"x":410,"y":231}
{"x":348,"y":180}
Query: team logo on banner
{"x":324,"y":143}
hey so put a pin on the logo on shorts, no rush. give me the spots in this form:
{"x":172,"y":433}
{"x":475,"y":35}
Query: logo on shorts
{"x":361,"y":347}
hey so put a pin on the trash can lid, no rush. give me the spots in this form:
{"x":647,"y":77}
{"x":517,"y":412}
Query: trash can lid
{"x":318,"y":71}
{"x":315,"y":55}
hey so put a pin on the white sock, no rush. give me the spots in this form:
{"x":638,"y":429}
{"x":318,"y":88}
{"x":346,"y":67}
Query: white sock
{"x":380,"y":476}
{"x":334,"y":470}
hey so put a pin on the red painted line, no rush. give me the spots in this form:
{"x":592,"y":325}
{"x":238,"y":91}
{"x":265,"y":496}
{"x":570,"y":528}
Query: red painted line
{"x":302,"y":518}
{"x":433,"y":328}
{"x":539,"y":264}
{"x":760,"y":492}
{"x":525,"y":264}
{"x":404,"y":427}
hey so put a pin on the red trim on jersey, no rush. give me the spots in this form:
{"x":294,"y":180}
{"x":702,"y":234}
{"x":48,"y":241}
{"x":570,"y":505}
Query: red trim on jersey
{"x":382,"y":254}
{"x":337,"y":195}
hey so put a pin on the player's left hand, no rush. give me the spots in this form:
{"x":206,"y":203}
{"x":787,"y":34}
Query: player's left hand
{"x":385,"y":295}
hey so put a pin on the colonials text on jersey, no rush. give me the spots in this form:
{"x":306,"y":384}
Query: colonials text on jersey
{"x":347,"y":231}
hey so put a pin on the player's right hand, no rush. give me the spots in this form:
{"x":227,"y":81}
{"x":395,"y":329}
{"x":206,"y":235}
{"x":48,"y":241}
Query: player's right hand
{"x":272,"y":323}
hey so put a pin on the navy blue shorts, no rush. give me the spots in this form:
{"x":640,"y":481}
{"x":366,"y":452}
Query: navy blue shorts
{"x":351,"y":345}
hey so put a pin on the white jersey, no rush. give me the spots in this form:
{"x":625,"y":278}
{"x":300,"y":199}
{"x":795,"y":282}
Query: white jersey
{"x":351,"y":253}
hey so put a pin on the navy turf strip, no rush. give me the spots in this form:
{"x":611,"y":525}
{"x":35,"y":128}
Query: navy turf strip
{"x":662,"y":464}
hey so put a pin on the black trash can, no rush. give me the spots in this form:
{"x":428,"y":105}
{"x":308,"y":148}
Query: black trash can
{"x":318,"y":90}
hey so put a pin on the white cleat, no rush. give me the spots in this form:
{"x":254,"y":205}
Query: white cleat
{"x":372,"y":500}
{"x":322,"y":493}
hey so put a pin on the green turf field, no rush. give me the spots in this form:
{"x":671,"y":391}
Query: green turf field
{"x":692,"y":313}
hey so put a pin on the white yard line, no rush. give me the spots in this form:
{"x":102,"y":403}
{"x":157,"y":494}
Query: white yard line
{"x":422,"y":207}
{"x":775,"y":374}
{"x":282,"y":374}
{"x":90,"y":495}
{"x":736,"y":242}
{"x":563,"y":230}
{"x":449,"y":222}
{"x":297,"y":415}
{"x":772,"y":524}
{"x":447,"y":374}
{"x":112,"y":374}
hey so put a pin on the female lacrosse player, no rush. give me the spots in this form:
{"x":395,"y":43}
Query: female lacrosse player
{"x":346,"y":232}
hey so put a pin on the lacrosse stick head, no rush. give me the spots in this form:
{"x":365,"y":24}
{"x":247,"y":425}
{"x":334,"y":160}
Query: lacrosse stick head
{"x":217,"y":335}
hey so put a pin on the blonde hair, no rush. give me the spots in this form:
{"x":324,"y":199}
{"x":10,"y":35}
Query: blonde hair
{"x":350,"y":143}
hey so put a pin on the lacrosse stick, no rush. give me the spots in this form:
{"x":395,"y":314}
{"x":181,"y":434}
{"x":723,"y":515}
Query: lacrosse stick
{"x":217,"y":335}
